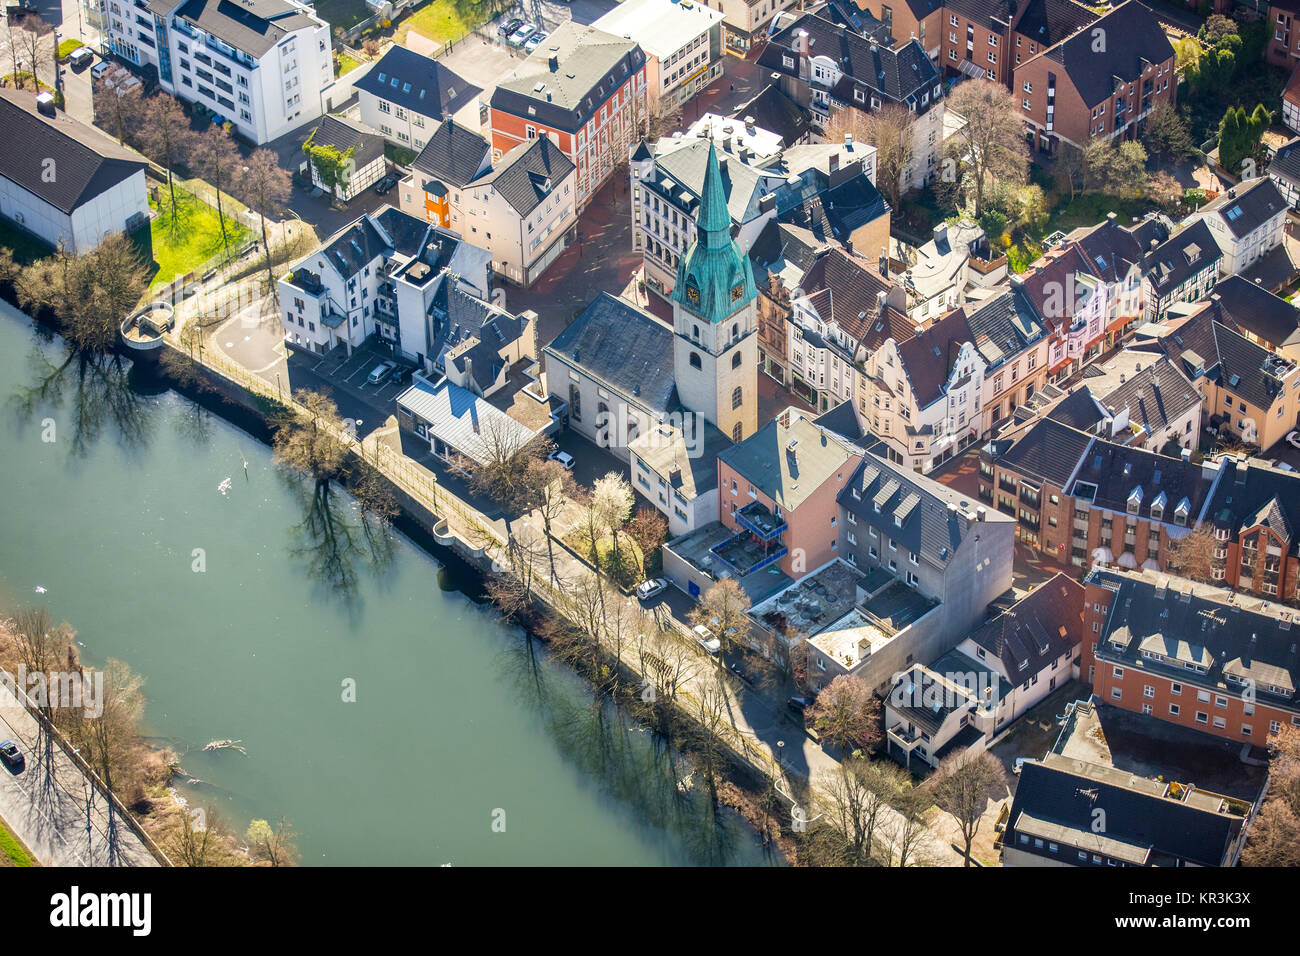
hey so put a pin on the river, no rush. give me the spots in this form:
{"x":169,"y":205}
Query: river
{"x":465,"y":744}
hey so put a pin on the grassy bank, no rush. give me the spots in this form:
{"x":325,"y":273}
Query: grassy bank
{"x":180,"y":243}
{"x":12,"y":851}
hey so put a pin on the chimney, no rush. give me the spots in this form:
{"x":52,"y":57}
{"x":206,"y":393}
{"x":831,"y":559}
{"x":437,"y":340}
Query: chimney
{"x":980,"y":513}
{"x":848,"y":140}
{"x":1110,"y":216}
{"x":749,"y":125}
{"x":45,"y":104}
{"x":884,"y":262}
{"x":801,"y":42}
{"x":880,"y":302}
{"x":553,"y":61}
{"x":722,"y":165}
{"x":941,"y":233}
{"x":767,"y":203}
{"x":835,"y":162}
{"x":1186,"y":454}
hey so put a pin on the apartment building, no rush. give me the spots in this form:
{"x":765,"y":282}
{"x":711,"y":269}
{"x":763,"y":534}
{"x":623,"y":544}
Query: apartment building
{"x":826,"y":189}
{"x":780,"y":257}
{"x":1181,"y":269}
{"x":521,"y":207}
{"x":1284,"y":168}
{"x":828,"y":69}
{"x":259,"y":64}
{"x":1072,"y":299}
{"x":940,"y":274}
{"x":1265,"y":319}
{"x":1202,"y":657}
{"x":99,"y":188}
{"x":842,"y":310}
{"x":1118,"y":255}
{"x":1247,"y":222}
{"x":1252,"y":512}
{"x":746,"y":22}
{"x":777,"y":496}
{"x":682,"y":43}
{"x":583,"y":88}
{"x":1083,"y":89}
{"x":1283,"y":48}
{"x":406,"y":96}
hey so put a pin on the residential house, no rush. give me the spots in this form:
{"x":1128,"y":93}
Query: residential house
{"x":1253,"y":516}
{"x":1149,"y":822}
{"x":1072,"y":299}
{"x":1284,"y":170}
{"x":1266,"y":319}
{"x":259,"y":64}
{"x":364,"y":151}
{"x":682,"y":45}
{"x":1181,"y":269}
{"x":520,"y":207}
{"x":772,"y":110}
{"x":781,"y":256}
{"x":63,"y":181}
{"x":1291,"y":102}
{"x":828,"y":69}
{"x":939,"y":275}
{"x":1146,"y":401}
{"x":1077,"y":92}
{"x":1247,"y":222}
{"x":1283,"y":48}
{"x":676,"y":470}
{"x":1118,"y":255}
{"x":1205,"y":658}
{"x":406,"y":96}
{"x":583,"y":88}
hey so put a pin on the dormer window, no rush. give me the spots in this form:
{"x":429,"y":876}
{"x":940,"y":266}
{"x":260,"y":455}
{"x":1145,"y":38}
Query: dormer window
{"x":1181,"y":512}
{"x":1135,"y":500}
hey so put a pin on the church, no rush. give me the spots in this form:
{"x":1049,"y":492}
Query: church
{"x":667,"y":399}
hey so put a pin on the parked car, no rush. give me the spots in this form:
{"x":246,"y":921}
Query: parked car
{"x":739,"y":670}
{"x":648,"y":589}
{"x":797,"y":706}
{"x":379,"y":374}
{"x":508,"y":28}
{"x":520,"y":36}
{"x":704,"y":637}
{"x":1293,"y":439}
{"x":100,"y":68}
{"x":401,"y":374}
{"x":385,"y":184}
{"x":564,"y":458}
{"x":80,"y":58}
{"x":535,"y":41}
{"x":11,"y":756}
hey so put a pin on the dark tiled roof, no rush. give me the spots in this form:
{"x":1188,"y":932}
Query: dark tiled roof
{"x":1027,"y":637}
{"x":619,"y":344}
{"x":1047,"y":451}
{"x":1171,"y":263}
{"x":1156,"y":397}
{"x":526,"y":175}
{"x":86,"y":160}
{"x":590,"y":66}
{"x":1157,"y":829}
{"x":847,"y":292}
{"x":775,"y":112}
{"x":1238,"y":365}
{"x":1113,"y":249}
{"x":790,"y":462}
{"x":1244,"y":494}
{"x":1286,"y":161}
{"x":1132,"y":35}
{"x":454,"y":154}
{"x":832,"y":216}
{"x":842,"y":420}
{"x":1254,"y":309}
{"x":990,"y":14}
{"x":782,"y":243}
{"x":1048,"y":22}
{"x":900,"y":75}
{"x":1117,"y":471}
{"x":343,"y":135}
{"x":406,"y":233}
{"x":1246,"y":207}
{"x":1079,"y":410}
{"x":885,"y":491}
{"x":1005,"y":326}
{"x":929,"y":356}
{"x":253,"y":26}
{"x":1059,"y":288}
{"x":417,"y":83}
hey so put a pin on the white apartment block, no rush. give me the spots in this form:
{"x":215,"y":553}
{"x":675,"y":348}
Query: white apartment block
{"x":260,"y":64}
{"x":682,"y":44}
{"x":1246,"y":222}
{"x":406,"y":96}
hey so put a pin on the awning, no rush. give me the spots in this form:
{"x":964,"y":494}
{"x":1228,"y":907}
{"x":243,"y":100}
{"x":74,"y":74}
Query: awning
{"x":1102,"y":556}
{"x":1127,"y":560}
{"x":1053,"y":369}
{"x":973,"y":70}
{"x":1150,"y":565}
{"x":1119,"y":323}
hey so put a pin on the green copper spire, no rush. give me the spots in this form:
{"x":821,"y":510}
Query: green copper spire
{"x":714,"y":280}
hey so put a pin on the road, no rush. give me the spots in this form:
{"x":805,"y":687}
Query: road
{"x":45,"y":803}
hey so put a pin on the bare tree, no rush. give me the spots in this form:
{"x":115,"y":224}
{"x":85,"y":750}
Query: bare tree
{"x":551,"y":489}
{"x":1274,"y":835}
{"x":991,"y":142}
{"x":962,"y":786}
{"x":612,"y":495}
{"x":724,"y":610}
{"x":857,"y":797}
{"x":649,"y":529}
{"x":1193,"y":556}
{"x":847,"y":714}
{"x":507,"y":454}
{"x":218,"y":160}
{"x":266,"y":187}
{"x":272,"y":845}
{"x":200,"y":839}
{"x":36,"y":39}
{"x":889,"y":130}
{"x":166,"y":138}
{"x":120,"y":109}
{"x":908,"y":826}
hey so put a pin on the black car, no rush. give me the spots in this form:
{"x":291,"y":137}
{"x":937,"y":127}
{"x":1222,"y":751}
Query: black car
{"x":12,"y":756}
{"x":510,"y":26}
{"x":797,"y":705}
{"x":400,"y":374}
{"x":385,"y":184}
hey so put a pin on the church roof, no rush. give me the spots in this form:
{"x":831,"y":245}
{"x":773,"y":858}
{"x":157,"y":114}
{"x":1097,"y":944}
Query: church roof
{"x":714,"y":280}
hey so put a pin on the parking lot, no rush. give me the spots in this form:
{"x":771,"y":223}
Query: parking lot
{"x":345,"y":378}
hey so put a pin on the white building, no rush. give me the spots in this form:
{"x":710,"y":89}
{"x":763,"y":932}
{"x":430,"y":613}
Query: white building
{"x":260,"y":64}
{"x":1246,"y":222}
{"x":66,"y":182}
{"x":406,"y":97}
{"x":365,"y":151}
{"x":682,"y":44}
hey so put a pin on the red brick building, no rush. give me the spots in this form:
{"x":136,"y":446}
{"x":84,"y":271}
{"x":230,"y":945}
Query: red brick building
{"x":586,"y":90}
{"x":1100,"y":83}
{"x":1284,"y":45}
{"x":1193,"y":655}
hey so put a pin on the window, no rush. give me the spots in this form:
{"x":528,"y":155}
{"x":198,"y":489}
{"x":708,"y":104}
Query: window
{"x":1148,"y":691}
{"x":695,"y":360}
{"x":1116,"y":693}
{"x":737,"y":433}
{"x":1173,"y":710}
{"x":737,"y":397}
{"x":1202,"y":717}
{"x":735,"y":360}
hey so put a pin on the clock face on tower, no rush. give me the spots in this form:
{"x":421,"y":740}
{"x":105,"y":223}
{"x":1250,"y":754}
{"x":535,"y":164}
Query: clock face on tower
{"x":736,"y":292}
{"x":693,"y":295}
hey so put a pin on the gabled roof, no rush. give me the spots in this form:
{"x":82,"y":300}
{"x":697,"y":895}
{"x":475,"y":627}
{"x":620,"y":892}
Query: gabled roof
{"x":1037,"y":630}
{"x":87,"y":161}
{"x":1286,"y":161}
{"x":1245,"y":208}
{"x":1047,"y":451}
{"x":343,"y":134}
{"x":1061,"y":286}
{"x":788,"y":462}
{"x":462,"y":419}
{"x":1226,"y":357}
{"x":1123,"y":473}
{"x":833,"y":216}
{"x":1254,"y":309}
{"x":1133,"y":38}
{"x":930,"y":355}
{"x":1247,"y":496}
{"x":1004,"y":326}
{"x":417,"y":83}
{"x":1079,"y":409}
{"x":1182,"y":256}
{"x":1156,"y":397}
{"x":454,"y":154}
{"x":1113,"y":249}
{"x":590,"y":65}
{"x":847,"y":291}
{"x":253,"y":26}
{"x":527,"y":174}
{"x":1048,"y":22}
{"x":620,"y":345}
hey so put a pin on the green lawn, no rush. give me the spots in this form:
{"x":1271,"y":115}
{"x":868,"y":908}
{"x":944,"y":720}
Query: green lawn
{"x":67,"y":46}
{"x":441,"y":21}
{"x":12,"y":852}
{"x":343,"y":14}
{"x":345,"y":64}
{"x":185,"y":245}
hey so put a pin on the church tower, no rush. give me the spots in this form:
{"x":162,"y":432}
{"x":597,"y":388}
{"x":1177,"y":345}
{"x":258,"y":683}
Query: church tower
{"x":715,"y":319}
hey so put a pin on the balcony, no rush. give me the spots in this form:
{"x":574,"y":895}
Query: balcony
{"x":756,"y":518}
{"x":906,"y":737}
{"x":745,"y":555}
